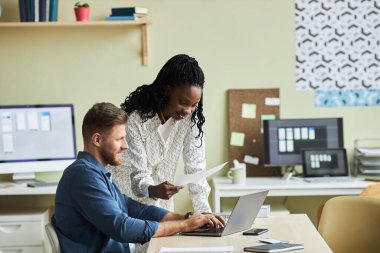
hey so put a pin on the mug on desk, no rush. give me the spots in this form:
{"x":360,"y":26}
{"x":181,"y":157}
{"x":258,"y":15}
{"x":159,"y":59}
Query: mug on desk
{"x":237,"y":175}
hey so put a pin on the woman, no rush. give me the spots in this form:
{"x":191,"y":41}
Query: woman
{"x":165,"y":119}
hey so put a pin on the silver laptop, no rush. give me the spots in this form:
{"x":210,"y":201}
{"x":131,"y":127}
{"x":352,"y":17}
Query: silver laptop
{"x":241,"y":218}
{"x":325,"y":165}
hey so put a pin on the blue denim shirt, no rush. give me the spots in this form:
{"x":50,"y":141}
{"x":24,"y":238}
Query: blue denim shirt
{"x":92,"y":215}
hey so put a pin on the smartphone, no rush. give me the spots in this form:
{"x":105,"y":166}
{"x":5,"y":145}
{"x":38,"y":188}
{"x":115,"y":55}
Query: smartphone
{"x":255,"y":231}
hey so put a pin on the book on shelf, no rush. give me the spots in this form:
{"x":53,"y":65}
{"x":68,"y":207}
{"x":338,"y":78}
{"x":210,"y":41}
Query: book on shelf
{"x":128,"y":11}
{"x":28,"y":10}
{"x":42,"y":10}
{"x":22,"y":10}
{"x":116,"y":18}
{"x":38,"y":10}
{"x":137,"y":15}
{"x":53,"y":13}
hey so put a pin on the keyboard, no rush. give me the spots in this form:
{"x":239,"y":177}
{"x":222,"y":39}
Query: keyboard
{"x":208,"y":229}
{"x":42,"y":184}
{"x":329,"y":179}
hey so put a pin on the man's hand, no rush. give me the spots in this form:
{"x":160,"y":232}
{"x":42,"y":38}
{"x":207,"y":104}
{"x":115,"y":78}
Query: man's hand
{"x":171,"y":225}
{"x":164,"y":190}
{"x":204,"y":220}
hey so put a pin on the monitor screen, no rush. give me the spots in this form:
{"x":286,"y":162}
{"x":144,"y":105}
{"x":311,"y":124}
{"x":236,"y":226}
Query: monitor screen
{"x":36,"y":138}
{"x":285,"y":138}
{"x":324,"y":162}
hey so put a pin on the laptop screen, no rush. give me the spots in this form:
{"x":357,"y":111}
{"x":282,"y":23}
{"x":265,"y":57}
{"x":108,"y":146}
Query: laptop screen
{"x":325,"y":162}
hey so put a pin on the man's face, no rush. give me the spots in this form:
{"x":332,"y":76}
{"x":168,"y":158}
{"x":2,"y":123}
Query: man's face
{"x":113,"y":144}
{"x":182,"y":102}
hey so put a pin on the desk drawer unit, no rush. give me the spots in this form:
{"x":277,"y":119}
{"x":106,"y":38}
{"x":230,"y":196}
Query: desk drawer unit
{"x":22,"y":231}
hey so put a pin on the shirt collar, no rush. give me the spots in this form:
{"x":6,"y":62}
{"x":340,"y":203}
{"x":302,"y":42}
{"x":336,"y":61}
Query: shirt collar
{"x":91,"y":159}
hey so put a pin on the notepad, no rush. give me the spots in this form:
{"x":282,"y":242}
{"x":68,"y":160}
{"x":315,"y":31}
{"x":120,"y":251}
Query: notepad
{"x":274,"y":247}
{"x":198,"y":249}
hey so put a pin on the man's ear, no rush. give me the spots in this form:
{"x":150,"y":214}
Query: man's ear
{"x":96,"y":139}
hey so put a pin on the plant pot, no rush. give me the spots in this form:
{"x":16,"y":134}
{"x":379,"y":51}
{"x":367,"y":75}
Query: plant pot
{"x":82,"y":14}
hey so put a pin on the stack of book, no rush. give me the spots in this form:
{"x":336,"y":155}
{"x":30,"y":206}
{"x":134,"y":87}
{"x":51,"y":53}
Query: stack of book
{"x":38,"y":10}
{"x":127,"y":13}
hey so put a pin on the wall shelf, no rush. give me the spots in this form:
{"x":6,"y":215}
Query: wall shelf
{"x":142,"y":23}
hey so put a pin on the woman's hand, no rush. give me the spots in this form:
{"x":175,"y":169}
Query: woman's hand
{"x":164,"y":190}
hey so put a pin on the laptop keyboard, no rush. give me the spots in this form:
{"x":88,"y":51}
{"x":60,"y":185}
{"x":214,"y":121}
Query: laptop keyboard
{"x":329,"y":179}
{"x":213,"y":230}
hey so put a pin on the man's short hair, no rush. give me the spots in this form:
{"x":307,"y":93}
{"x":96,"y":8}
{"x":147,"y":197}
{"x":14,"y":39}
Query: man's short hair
{"x":101,"y":118}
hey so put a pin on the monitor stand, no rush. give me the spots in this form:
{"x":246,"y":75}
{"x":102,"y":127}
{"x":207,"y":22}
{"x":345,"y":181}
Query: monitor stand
{"x":289,"y":171}
{"x":24,"y":178}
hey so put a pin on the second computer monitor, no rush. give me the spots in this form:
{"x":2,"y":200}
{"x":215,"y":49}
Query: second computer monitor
{"x":284,"y":139}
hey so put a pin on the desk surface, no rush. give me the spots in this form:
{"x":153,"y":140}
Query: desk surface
{"x":21,"y":189}
{"x":293,"y":227}
{"x":223,"y":187}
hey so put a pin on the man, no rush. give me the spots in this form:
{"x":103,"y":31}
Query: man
{"x":91,"y":213}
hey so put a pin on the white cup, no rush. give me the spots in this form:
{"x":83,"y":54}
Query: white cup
{"x":237,"y":175}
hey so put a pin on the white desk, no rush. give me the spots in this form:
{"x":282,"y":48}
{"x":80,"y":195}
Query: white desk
{"x":223,"y":187}
{"x":21,"y":189}
{"x":292,"y":227}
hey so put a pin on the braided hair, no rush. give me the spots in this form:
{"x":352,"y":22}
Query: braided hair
{"x":149,"y":99}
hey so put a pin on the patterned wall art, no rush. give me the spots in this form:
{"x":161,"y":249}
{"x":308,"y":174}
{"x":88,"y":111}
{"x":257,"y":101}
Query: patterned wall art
{"x":338,"y":51}
{"x":335,"y":98}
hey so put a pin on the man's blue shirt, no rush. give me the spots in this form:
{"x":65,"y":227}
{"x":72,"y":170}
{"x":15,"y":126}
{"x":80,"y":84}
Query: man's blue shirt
{"x":92,"y":215}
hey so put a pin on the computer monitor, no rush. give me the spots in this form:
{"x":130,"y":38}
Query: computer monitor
{"x":284,"y":139}
{"x":36,"y":138}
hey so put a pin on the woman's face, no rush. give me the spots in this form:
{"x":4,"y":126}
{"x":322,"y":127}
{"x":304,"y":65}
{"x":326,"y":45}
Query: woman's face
{"x":182,"y":101}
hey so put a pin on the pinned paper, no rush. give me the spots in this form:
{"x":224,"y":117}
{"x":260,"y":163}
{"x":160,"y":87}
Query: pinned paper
{"x":266,"y":117}
{"x":251,"y":159}
{"x":248,"y":111}
{"x":272,"y":101}
{"x":237,"y":139}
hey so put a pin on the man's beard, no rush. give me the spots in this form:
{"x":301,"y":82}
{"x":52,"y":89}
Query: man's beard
{"x":110,"y":158}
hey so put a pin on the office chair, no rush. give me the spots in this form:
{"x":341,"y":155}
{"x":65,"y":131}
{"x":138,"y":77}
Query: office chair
{"x":351,"y":224}
{"x":372,"y":190}
{"x":53,"y":239}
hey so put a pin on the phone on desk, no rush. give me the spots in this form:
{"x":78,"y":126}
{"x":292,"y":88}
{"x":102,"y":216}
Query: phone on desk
{"x":255,"y":231}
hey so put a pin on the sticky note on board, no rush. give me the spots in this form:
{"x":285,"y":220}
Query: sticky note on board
{"x":251,"y":159}
{"x":248,"y":111}
{"x":272,"y":101}
{"x":237,"y":139}
{"x":266,"y":117}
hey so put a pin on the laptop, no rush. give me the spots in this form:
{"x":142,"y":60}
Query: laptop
{"x":325,"y":165}
{"x":241,"y":218}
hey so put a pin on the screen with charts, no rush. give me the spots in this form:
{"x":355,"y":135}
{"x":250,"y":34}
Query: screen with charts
{"x":284,"y":139}
{"x":36,"y":138}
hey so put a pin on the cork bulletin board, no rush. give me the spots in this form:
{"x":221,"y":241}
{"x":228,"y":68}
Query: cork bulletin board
{"x":247,"y":108}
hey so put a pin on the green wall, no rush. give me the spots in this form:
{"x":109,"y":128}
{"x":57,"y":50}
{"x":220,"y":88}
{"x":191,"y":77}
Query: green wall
{"x":239,"y":44}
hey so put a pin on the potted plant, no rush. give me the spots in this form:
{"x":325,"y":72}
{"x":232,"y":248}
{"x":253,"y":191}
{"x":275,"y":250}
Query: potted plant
{"x":82,"y":11}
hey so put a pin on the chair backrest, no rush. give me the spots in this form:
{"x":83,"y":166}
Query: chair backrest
{"x":372,"y":190}
{"x":351,"y":224}
{"x":53,"y":239}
